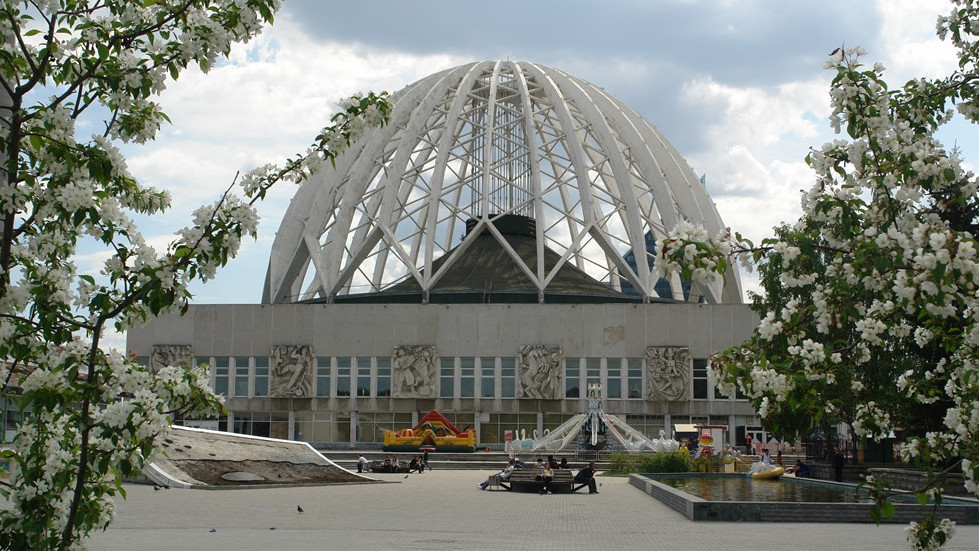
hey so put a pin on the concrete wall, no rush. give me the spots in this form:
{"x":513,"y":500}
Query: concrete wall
{"x":609,"y":331}
{"x":605,"y":330}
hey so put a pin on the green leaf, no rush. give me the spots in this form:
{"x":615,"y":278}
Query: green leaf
{"x":875,"y":514}
{"x":887,"y":509}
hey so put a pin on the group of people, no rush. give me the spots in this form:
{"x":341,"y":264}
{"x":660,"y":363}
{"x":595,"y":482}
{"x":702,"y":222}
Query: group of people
{"x":545,"y":474}
{"x":392,"y":464}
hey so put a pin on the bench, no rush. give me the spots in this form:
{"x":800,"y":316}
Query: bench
{"x":378,"y":467}
{"x":525,"y":480}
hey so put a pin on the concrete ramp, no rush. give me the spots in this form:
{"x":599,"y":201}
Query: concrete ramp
{"x":191,"y":457}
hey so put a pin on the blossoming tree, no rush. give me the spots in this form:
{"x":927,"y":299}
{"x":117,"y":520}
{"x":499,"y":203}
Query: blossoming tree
{"x":870,"y":313}
{"x":93,"y":416}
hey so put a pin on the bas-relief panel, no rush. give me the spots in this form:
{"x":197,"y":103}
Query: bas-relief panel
{"x":292,"y":368}
{"x":164,"y":355}
{"x":667,"y":372}
{"x":414,"y":371}
{"x":539,"y":370}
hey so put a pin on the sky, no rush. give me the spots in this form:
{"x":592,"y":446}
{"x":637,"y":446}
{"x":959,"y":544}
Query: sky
{"x":738,"y":86}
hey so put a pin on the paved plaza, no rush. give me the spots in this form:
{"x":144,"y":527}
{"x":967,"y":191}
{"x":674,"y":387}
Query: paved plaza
{"x":444,"y":510}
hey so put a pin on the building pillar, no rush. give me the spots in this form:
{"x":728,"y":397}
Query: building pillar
{"x":477,"y":426}
{"x":731,"y":432}
{"x":354,"y":423}
{"x":292,"y":426}
{"x":231,"y":421}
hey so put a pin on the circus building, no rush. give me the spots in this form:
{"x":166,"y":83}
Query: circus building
{"x":485,"y":255}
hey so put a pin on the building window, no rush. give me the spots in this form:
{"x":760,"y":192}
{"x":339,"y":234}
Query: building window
{"x":717,"y":391}
{"x":649,"y":425}
{"x":700,"y":379}
{"x":447,"y":377}
{"x":613,"y":378}
{"x":363,"y":376}
{"x":508,"y":377}
{"x":221,"y":366}
{"x":555,"y":420}
{"x":635,"y":377}
{"x":261,"y":376}
{"x":572,"y":376}
{"x":343,"y":376}
{"x":324,"y":369}
{"x":241,"y":377}
{"x":467,"y":379}
{"x":372,"y":426}
{"x":384,"y":377}
{"x":593,"y":371}
{"x":487,"y":378}
{"x":517,"y":424}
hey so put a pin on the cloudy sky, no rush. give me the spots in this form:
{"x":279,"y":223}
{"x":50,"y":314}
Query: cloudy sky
{"x":738,"y":86}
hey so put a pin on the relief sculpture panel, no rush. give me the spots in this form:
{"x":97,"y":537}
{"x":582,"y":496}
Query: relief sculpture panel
{"x":164,"y":355}
{"x":539,"y":370}
{"x":292,"y":368}
{"x":414,"y":371}
{"x":667,"y":372}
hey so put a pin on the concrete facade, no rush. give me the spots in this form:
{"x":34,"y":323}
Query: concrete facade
{"x":477,"y":385}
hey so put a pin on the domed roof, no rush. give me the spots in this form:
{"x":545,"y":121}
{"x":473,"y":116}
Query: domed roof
{"x":494,"y":145}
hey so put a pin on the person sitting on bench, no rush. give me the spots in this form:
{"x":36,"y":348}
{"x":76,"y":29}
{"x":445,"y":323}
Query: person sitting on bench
{"x":587,"y":476}
{"x":502,"y":475}
{"x":545,"y":477}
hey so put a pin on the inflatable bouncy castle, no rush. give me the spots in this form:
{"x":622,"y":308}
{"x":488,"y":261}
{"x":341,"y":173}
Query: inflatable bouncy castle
{"x":433,"y":432}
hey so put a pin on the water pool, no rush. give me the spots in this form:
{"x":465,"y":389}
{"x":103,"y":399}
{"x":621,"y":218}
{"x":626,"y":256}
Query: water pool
{"x":742,"y":488}
{"x":736,"y":498}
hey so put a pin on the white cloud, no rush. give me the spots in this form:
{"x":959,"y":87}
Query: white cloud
{"x":910,"y":46}
{"x":755,"y":149}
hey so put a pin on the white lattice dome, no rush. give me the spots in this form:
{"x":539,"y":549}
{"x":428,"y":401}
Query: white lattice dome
{"x":495,"y":181}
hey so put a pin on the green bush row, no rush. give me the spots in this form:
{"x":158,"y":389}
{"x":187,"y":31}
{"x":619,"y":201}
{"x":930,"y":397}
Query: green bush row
{"x":649,"y":463}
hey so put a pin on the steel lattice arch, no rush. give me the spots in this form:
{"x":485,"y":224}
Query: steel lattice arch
{"x":557,"y":186}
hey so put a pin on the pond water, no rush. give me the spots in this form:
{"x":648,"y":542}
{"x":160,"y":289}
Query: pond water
{"x":741,"y":488}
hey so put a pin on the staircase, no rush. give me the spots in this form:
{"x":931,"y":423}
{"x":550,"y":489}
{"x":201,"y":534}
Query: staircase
{"x":479,"y":461}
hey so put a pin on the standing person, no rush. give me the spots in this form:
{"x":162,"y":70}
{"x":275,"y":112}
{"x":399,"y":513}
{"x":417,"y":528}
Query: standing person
{"x":361,"y":464}
{"x":587,"y":476}
{"x":747,"y":443}
{"x":838,"y":461}
{"x":425,"y":460}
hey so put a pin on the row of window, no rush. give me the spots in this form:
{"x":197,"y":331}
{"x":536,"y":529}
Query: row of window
{"x":326,"y":427}
{"x":458,"y":377}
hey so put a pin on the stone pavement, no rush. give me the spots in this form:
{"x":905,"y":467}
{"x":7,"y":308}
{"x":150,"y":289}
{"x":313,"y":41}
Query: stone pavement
{"x":443,"y":510}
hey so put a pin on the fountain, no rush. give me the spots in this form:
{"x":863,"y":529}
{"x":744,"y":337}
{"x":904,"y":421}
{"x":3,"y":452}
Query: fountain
{"x":597,"y":426}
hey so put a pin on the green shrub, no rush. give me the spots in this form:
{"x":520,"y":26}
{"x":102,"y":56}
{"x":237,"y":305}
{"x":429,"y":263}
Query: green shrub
{"x":665,"y":463}
{"x":649,"y":462}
